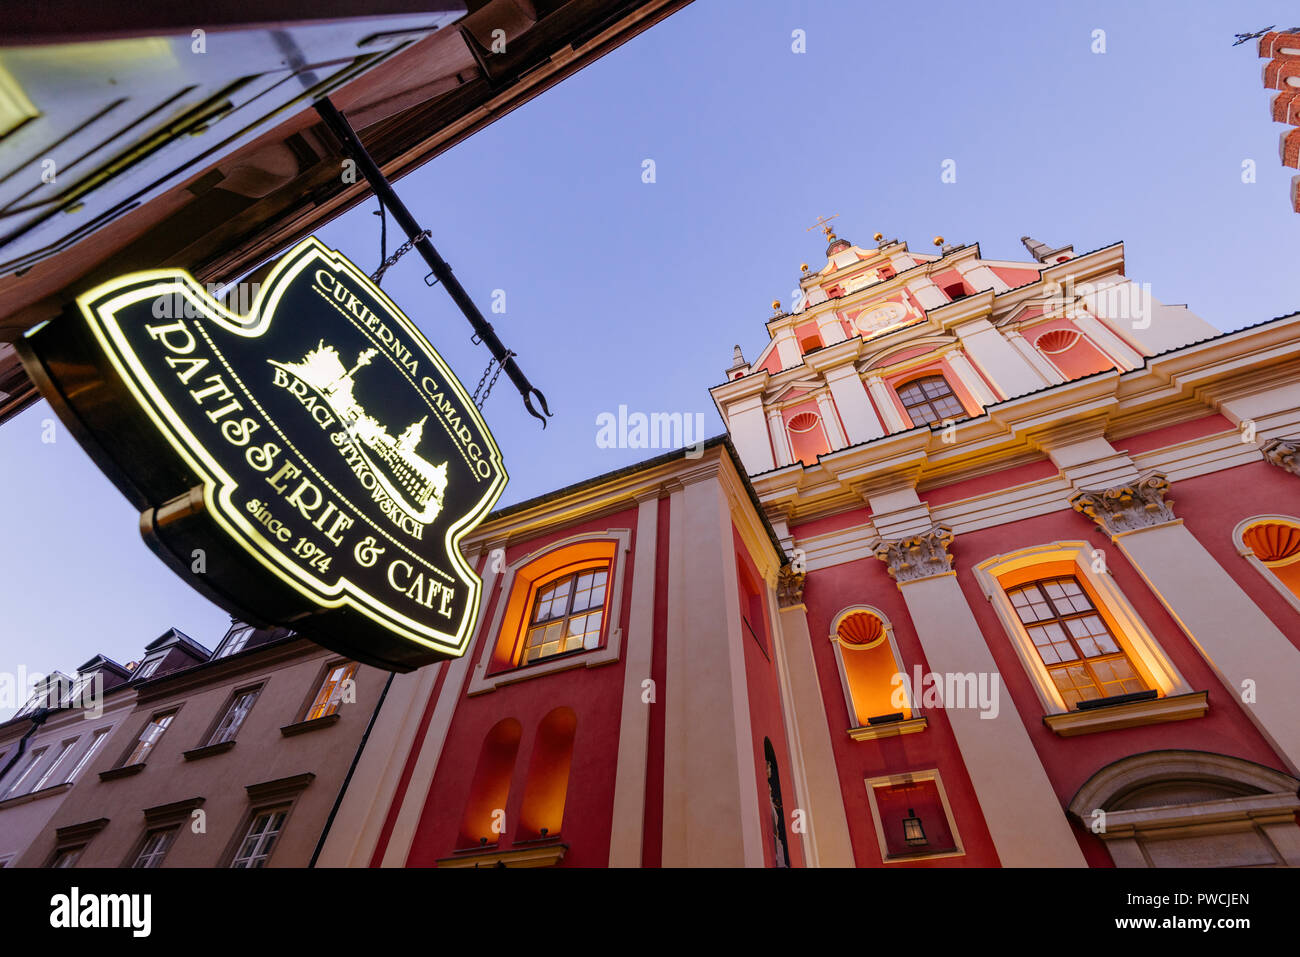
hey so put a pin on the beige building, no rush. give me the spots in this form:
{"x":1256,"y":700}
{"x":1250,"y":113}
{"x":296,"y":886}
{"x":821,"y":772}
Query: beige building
{"x":226,"y":759}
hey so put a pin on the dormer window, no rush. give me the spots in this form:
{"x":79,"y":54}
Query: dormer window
{"x":147,"y":667}
{"x":235,"y":641}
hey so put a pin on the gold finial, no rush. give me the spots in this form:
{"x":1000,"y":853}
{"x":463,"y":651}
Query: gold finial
{"x":803,"y":267}
{"x":878,"y":237}
{"x":825,"y":224}
{"x":776,"y":305}
{"x":938,"y":240}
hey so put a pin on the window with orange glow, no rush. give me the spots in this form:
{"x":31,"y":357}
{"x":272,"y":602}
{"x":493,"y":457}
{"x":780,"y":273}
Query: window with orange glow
{"x":869,"y":668}
{"x":568,"y":615}
{"x":1076,"y":645}
{"x":559,"y":604}
{"x":331,"y":692}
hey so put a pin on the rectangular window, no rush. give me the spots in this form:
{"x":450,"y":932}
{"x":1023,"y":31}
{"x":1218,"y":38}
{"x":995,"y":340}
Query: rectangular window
{"x":259,"y":840}
{"x":100,"y":737}
{"x":331,"y":691}
{"x":67,"y":856}
{"x":1083,"y":658}
{"x":156,"y":845}
{"x":64,"y":750}
{"x":149,"y":737}
{"x":230,"y":722}
{"x":24,"y":775}
{"x":567,"y":615}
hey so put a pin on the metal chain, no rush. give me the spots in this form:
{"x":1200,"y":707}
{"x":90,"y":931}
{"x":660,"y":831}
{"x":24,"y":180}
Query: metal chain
{"x":398,"y":253}
{"x":500,"y":364}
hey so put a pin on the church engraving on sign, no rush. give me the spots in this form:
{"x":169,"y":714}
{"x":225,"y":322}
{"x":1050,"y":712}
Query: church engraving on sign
{"x":317,"y":453}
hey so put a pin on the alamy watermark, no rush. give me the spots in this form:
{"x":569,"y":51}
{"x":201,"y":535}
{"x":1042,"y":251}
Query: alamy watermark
{"x":32,"y":691}
{"x":656,"y":430}
{"x":949,"y":690}
{"x":1126,"y":301}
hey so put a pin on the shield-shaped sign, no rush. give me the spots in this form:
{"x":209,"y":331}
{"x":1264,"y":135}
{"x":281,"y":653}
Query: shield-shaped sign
{"x":312,"y":463}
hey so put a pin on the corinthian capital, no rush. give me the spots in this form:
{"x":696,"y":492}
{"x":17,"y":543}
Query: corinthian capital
{"x":1284,"y":453}
{"x":789,"y":586}
{"x":1126,"y":508}
{"x":917,"y":556}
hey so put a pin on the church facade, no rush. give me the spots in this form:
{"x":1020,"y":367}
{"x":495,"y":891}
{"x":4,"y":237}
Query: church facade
{"x":998,"y":564}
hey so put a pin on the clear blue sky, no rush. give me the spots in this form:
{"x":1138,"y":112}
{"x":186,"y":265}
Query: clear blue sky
{"x":622,"y":292}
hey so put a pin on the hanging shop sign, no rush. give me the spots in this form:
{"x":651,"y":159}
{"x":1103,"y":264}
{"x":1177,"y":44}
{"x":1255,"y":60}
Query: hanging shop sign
{"x":313,"y":463}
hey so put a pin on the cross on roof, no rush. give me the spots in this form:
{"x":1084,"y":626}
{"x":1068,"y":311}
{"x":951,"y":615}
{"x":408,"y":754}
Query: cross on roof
{"x":825,"y":224}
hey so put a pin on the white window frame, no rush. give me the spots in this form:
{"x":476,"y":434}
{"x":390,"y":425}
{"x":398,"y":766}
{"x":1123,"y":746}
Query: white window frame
{"x":235,"y":641}
{"x":141,"y":673}
{"x":153,"y":740}
{"x":34,"y":758}
{"x":260,"y":854}
{"x":153,"y":857}
{"x":64,"y":751}
{"x":225,"y":730}
{"x":97,"y":738}
{"x":1149,"y":658}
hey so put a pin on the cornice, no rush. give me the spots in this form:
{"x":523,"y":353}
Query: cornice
{"x":1179,"y":385}
{"x":1088,"y":266}
{"x":755,"y":383}
{"x":836,"y":354}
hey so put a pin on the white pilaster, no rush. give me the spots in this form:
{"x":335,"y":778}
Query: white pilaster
{"x":861,"y":424}
{"x":1107,"y":341}
{"x":748,"y":429}
{"x":634,"y":727}
{"x":960,"y":365}
{"x":884,"y":397}
{"x":1051,"y":375}
{"x":780,"y":439}
{"x":787,"y":348}
{"x":830,"y":421}
{"x":1009,"y":371}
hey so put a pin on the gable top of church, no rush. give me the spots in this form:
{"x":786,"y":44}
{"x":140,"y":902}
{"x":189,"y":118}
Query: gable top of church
{"x":866,"y":291}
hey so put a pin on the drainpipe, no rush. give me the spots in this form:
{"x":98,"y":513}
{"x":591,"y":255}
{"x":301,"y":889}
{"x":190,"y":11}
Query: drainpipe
{"x":356,"y":758}
{"x":37,"y":720}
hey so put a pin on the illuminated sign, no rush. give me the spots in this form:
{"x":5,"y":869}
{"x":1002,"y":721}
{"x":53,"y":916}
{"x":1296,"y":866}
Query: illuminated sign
{"x":313,"y":463}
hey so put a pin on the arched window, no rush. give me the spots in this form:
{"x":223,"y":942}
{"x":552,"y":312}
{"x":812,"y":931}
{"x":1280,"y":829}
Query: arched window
{"x":930,"y":399}
{"x":776,"y":806}
{"x":1272,"y":544}
{"x":1075,"y":644}
{"x":548,"y":776}
{"x":878,"y":699}
{"x":484,"y":819}
{"x":557,"y":608}
{"x":1179,"y":808}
